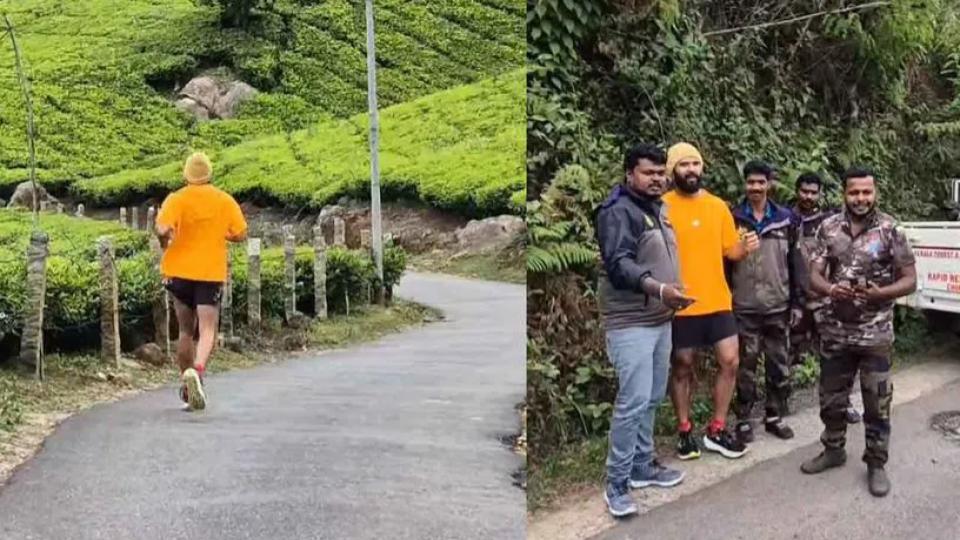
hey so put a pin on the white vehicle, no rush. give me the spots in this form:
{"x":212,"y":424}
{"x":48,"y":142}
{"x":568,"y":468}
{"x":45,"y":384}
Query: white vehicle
{"x":936,"y":246}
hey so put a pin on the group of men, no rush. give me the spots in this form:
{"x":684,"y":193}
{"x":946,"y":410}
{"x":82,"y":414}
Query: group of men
{"x":685,"y":271}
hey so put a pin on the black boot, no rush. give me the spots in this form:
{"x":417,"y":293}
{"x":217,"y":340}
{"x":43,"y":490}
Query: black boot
{"x":878,"y":481}
{"x":827,"y":459}
{"x":778,"y":428}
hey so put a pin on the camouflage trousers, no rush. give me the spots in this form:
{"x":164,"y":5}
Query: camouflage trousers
{"x":767,"y":335}
{"x":839,"y":364}
{"x":803,"y":338}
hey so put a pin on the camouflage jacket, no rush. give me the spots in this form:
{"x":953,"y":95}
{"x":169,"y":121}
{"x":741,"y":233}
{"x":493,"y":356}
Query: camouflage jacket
{"x":871,"y":257}
{"x":807,"y":226}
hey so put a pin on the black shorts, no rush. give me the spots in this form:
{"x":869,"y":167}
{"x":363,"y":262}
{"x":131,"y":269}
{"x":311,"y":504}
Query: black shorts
{"x":194,"y":293}
{"x":703,"y":330}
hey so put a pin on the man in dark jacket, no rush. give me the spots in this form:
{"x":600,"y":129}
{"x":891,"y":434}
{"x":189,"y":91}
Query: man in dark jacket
{"x":638,"y":293}
{"x":765,"y":287}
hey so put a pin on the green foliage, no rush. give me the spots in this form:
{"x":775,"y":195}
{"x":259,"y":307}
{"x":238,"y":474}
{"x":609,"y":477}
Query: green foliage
{"x":237,"y":13}
{"x":875,"y":87}
{"x":102,"y":84}
{"x":71,"y":319}
{"x":461,"y":149}
{"x":808,"y":373}
{"x":11,"y":410}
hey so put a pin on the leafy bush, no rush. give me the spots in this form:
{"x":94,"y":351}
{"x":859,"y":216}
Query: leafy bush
{"x":73,"y":279}
{"x":462,"y":149}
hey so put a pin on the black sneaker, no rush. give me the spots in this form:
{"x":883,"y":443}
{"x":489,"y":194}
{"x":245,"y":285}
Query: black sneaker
{"x":725,"y":444}
{"x":687,"y":447}
{"x":745,"y":432}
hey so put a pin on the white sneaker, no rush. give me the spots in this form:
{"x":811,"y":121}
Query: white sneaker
{"x":197,"y":398}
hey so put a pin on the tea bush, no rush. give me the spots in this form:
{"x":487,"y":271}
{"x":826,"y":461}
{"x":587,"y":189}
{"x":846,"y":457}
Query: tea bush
{"x":72,"y":312}
{"x":461,"y":149}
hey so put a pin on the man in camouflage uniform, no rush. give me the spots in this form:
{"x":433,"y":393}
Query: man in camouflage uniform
{"x":765,"y":287}
{"x":862,"y":262}
{"x":808,"y":215}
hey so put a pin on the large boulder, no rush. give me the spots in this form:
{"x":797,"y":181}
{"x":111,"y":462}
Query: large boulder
{"x":490,"y":234}
{"x":23,"y":196}
{"x":150,"y":353}
{"x":206,"y":97}
{"x":229,"y":103}
{"x":197,"y":110}
{"x":205,"y":91}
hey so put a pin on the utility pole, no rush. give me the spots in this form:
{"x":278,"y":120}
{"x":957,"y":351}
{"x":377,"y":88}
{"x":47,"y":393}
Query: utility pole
{"x":375,"y":223}
{"x":31,"y":131}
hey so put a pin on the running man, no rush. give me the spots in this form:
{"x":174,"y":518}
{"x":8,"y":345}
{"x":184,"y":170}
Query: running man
{"x":705,"y":236}
{"x":194,"y":225}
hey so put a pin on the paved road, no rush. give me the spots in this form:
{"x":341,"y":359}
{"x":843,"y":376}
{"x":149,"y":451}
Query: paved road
{"x":774,"y":500}
{"x":392,"y":440}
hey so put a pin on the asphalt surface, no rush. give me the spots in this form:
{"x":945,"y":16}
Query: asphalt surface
{"x":774,"y":500}
{"x":398,"y":439}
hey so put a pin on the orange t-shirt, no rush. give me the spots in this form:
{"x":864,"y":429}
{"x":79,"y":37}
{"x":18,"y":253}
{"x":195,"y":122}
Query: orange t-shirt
{"x":202,"y":217}
{"x":705,"y":231}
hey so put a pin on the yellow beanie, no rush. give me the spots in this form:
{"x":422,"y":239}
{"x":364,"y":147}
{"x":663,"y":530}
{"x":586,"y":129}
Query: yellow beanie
{"x":198,"y":169}
{"x":678,"y":153}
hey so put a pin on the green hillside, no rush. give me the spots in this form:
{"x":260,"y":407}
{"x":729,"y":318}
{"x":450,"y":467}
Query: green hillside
{"x":104,"y":71}
{"x":462,"y":149}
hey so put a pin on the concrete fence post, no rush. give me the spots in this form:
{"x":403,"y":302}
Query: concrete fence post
{"x":109,"y":304}
{"x":253,"y":284}
{"x":339,"y":232}
{"x":31,"y":348}
{"x":289,"y":272}
{"x":161,"y":306}
{"x":319,"y":273}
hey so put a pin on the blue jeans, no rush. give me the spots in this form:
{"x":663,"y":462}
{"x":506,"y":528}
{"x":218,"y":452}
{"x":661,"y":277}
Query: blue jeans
{"x":641,"y":358}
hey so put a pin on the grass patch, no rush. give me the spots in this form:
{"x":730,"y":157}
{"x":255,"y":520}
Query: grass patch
{"x":575,"y":466}
{"x":490,"y":267}
{"x":369,"y":323}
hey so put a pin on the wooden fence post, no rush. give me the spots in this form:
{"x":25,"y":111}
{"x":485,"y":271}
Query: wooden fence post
{"x":319,"y":273}
{"x":31,"y":348}
{"x":109,"y":304}
{"x":253,"y":284}
{"x":135,"y":218}
{"x":161,"y":306}
{"x":289,"y":273}
{"x":123,"y":216}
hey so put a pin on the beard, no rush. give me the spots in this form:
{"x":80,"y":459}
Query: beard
{"x":860,"y":210}
{"x":688,"y":183}
{"x":806,"y":205}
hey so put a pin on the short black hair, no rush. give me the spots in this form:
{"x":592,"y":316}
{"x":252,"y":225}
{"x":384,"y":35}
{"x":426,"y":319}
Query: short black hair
{"x":857,"y":171}
{"x":810,"y":178}
{"x":643,"y":151}
{"x":757,"y":167}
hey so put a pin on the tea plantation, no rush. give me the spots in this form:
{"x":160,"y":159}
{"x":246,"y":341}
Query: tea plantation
{"x":461,"y":149}
{"x":104,"y":74}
